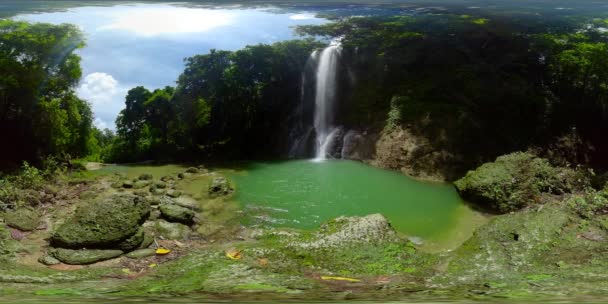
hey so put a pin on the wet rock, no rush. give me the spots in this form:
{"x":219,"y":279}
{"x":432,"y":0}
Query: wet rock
{"x":174,"y":193}
{"x":48,"y":260}
{"x":23,"y":218}
{"x":141,"y":184}
{"x":103,"y":223}
{"x":145,"y":176}
{"x":188,"y":202}
{"x":141,"y":253}
{"x":172,"y":231}
{"x":83,"y":256}
{"x":127,"y":184}
{"x":192,"y":170}
{"x":175,"y":213}
{"x":133,"y":242}
{"x":220,"y":186}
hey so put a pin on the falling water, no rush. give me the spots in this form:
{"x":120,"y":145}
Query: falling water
{"x":325,"y":95}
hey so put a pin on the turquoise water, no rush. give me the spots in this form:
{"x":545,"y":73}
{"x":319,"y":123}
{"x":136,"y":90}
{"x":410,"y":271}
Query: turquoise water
{"x":303,"y":194}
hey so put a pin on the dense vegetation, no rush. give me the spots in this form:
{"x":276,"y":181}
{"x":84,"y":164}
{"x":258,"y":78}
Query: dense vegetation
{"x":477,"y":86}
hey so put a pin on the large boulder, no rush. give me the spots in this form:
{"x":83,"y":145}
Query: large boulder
{"x":220,"y":186}
{"x":515,"y":181}
{"x":352,"y":231}
{"x":103,"y":223}
{"x":83,"y":256}
{"x":175,"y":213}
{"x":26,"y":219}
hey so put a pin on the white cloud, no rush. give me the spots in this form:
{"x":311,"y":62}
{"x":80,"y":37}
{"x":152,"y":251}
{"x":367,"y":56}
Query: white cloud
{"x":162,"y":20}
{"x":106,"y":96}
{"x":301,"y":17}
{"x":98,"y":88}
{"x":100,"y":124}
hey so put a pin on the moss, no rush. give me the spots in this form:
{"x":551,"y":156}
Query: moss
{"x":102,"y":223}
{"x":591,"y":204}
{"x":133,"y":242}
{"x":26,"y":219}
{"x":175,"y":213}
{"x":515,"y":181}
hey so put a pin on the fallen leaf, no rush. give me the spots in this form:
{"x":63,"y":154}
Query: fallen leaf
{"x":234,"y":254}
{"x":162,"y":251}
{"x":263,"y":262}
{"x":152,"y":265}
{"x":328,"y":278}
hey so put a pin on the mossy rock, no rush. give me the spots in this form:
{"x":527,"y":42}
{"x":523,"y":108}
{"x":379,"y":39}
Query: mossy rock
{"x":515,"y":181}
{"x":141,"y":184}
{"x":83,"y":256}
{"x":159,"y":185}
{"x":48,"y":260}
{"x":103,"y":223}
{"x":172,"y":231}
{"x":175,"y":213}
{"x":219,"y":186}
{"x":145,"y":176}
{"x":174,"y":193}
{"x":141,"y":253}
{"x":24,"y":218}
{"x":127,"y":184}
{"x":133,"y":242}
{"x":117,"y":185}
{"x":8,"y":246}
{"x":147,"y":241}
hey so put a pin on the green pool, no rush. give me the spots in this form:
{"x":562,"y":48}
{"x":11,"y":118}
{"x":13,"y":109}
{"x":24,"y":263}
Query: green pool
{"x":303,"y":194}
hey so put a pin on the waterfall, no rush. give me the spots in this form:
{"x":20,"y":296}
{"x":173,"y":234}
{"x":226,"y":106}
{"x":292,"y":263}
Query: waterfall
{"x":325,"y":96}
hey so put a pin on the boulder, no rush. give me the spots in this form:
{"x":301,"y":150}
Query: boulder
{"x":352,"y":231}
{"x":167,"y":178}
{"x":141,"y":184}
{"x":219,"y":186}
{"x":103,"y":223}
{"x":153,"y":200}
{"x":145,"y":176}
{"x":175,"y":213}
{"x":157,"y":191}
{"x":515,"y":181}
{"x":83,"y":256}
{"x":23,"y":218}
{"x":141,"y":253}
{"x":172,"y":231}
{"x":127,"y":184}
{"x":133,"y":242}
{"x":117,"y":185}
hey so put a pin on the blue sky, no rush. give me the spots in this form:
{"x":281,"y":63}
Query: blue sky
{"x":145,"y":44}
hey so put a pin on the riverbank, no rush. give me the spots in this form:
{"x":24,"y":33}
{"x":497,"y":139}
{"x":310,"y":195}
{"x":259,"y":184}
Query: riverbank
{"x":546,"y":249}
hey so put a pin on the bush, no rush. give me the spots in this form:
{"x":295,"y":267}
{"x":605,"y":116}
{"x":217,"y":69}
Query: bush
{"x":590,"y":204}
{"x":515,"y":181}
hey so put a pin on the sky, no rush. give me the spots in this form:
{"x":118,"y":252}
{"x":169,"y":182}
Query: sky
{"x":145,"y":44}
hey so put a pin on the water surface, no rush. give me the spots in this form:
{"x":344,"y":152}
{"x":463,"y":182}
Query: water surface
{"x":304,"y":193}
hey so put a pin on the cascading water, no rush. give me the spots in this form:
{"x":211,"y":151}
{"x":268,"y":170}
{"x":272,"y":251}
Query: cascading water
{"x":325,"y":96}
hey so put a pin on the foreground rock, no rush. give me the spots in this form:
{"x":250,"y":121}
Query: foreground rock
{"x":346,"y":231}
{"x":83,"y":256}
{"x":171,"y":231}
{"x":103,"y":223}
{"x":25,"y":219}
{"x":515,"y":181}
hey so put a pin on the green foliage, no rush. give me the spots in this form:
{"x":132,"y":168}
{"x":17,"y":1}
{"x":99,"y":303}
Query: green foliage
{"x":515,"y":181}
{"x":590,"y":204}
{"x":40,"y":112}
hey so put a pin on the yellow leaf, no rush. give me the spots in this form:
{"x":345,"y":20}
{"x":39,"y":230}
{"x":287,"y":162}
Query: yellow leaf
{"x":327,"y":278}
{"x":263,"y":262}
{"x":162,"y":251}
{"x":152,"y":265}
{"x":234,"y":254}
{"x":126,"y":270}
